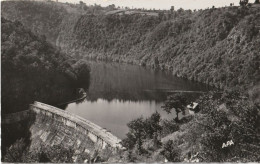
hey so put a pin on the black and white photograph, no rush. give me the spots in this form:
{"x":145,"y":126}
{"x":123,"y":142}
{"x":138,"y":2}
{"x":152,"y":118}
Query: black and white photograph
{"x":130,"y":81}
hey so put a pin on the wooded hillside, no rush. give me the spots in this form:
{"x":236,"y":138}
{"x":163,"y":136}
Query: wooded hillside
{"x":218,"y":46}
{"x":32,"y":69}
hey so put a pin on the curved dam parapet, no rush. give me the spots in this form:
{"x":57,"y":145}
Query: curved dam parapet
{"x":48,"y":126}
{"x":94,"y":131}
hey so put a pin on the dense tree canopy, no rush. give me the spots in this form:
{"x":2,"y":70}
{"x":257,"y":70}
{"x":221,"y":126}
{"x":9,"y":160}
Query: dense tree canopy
{"x":32,"y":70}
{"x":218,"y":46}
{"x":178,"y":102}
{"x":225,"y":130}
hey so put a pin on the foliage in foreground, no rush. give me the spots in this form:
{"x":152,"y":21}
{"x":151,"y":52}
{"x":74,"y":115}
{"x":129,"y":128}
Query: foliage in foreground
{"x":225,"y":130}
{"x":21,"y":151}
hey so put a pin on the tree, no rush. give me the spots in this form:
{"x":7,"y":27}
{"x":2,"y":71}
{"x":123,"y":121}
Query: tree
{"x":130,"y":141}
{"x":153,"y":128}
{"x":140,"y":129}
{"x":243,"y":2}
{"x":15,"y":152}
{"x":171,"y":152}
{"x":43,"y":158}
{"x":172,"y":9}
{"x":137,"y":132}
{"x":152,"y":125}
{"x":112,"y":7}
{"x":58,"y":154}
{"x":169,"y":126}
{"x":180,"y":10}
{"x":178,"y":102}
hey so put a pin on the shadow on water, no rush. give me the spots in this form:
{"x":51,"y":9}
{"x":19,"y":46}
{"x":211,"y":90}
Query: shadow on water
{"x":119,"y":93}
{"x":19,"y":89}
{"x":130,"y":82}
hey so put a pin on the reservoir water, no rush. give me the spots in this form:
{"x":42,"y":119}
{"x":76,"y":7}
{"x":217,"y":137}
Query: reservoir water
{"x":119,"y":93}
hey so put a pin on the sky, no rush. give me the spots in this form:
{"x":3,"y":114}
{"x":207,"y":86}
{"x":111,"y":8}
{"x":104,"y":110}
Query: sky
{"x":161,"y":4}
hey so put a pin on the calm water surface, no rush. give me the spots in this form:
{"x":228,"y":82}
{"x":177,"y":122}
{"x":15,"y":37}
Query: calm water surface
{"x":119,"y":93}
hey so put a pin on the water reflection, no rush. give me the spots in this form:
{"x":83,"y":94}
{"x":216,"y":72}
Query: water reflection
{"x":119,"y":93}
{"x":115,"y":114}
{"x":131,"y":82}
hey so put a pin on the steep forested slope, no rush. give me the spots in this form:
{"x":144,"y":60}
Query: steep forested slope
{"x":43,"y":19}
{"x":215,"y":46}
{"x":219,"y":47}
{"x":32,"y":70}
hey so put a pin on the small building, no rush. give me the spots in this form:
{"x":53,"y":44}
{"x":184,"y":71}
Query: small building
{"x":193,"y":108}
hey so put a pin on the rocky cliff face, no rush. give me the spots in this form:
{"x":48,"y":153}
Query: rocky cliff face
{"x":219,"y":47}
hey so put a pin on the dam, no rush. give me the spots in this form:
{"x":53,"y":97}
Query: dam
{"x":48,"y":126}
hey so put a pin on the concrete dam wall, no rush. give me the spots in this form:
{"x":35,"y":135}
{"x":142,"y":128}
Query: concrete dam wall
{"x":52,"y":126}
